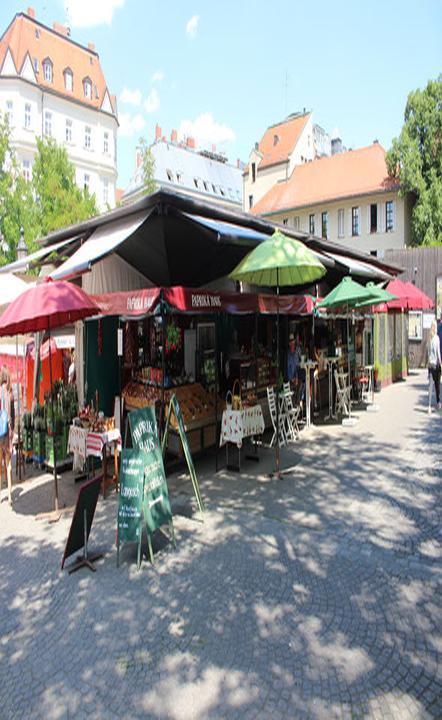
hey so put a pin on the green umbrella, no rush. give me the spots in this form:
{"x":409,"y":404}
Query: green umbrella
{"x":379,"y":294}
{"x":348,"y":293}
{"x":280,"y":260}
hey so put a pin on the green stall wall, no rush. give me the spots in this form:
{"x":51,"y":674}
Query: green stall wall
{"x":102,"y":372}
{"x":390,"y":347}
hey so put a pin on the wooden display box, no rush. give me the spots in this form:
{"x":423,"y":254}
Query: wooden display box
{"x":175,"y":447}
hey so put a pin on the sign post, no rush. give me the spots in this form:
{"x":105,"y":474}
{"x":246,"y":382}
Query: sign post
{"x":175,"y":408}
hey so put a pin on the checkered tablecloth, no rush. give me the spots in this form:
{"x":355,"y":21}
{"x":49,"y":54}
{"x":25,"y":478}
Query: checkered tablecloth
{"x":83,"y":444}
{"x":239,"y":424}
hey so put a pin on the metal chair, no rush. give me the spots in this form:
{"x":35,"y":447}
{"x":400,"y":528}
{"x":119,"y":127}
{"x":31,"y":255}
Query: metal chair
{"x":291,"y":411}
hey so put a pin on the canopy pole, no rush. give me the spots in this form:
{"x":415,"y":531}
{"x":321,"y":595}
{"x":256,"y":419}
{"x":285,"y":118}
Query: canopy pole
{"x":277,"y":373}
{"x":163,"y":363}
{"x":348,"y":362}
{"x":18,"y":411}
{"x":53,"y":418}
{"x":216,"y":392}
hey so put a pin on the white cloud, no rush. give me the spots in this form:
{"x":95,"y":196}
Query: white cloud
{"x":152,"y":102}
{"x":130,"y":124}
{"x":88,"y":13}
{"x":130,"y":97}
{"x":192,"y":26}
{"x":158,"y":76}
{"x":206,"y":130}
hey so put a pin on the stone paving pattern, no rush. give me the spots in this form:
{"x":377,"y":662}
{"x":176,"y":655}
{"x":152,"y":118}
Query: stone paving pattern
{"x":315,"y":596}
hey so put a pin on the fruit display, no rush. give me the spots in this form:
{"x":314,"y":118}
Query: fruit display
{"x":95,"y":421}
{"x":139,"y":395}
{"x":197,"y":405}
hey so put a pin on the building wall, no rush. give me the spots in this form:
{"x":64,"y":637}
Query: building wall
{"x":366,"y":241}
{"x":265,"y":179}
{"x":94,"y":162}
{"x":304,"y":149}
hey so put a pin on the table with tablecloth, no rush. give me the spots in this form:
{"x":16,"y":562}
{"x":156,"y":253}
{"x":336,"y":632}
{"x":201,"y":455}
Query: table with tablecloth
{"x":84,"y":443}
{"x":239,"y":424}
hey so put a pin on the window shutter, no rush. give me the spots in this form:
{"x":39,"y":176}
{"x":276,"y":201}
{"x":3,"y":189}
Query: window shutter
{"x":350,"y":223}
{"x":368,"y":219}
{"x":394,"y":214}
{"x":379,"y":218}
{"x":381,"y":221}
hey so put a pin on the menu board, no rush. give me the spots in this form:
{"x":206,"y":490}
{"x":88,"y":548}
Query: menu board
{"x":131,"y":495}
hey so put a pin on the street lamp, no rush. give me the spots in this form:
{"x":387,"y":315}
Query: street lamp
{"x":4,"y":247}
{"x":22,"y":250}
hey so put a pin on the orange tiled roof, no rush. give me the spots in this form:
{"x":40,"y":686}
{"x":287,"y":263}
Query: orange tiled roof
{"x":288,"y":133}
{"x":355,"y":172}
{"x":25,"y":35}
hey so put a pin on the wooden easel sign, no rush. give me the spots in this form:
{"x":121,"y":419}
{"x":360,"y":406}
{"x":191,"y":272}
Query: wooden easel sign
{"x":174,"y":408}
{"x":130,"y":506}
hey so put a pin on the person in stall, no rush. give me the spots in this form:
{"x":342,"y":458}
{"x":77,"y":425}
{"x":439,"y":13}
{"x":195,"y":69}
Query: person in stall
{"x":7,"y":428}
{"x":295,"y":374}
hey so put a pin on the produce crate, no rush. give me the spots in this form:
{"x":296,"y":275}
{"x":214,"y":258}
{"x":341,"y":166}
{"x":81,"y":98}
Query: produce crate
{"x":174,"y":442}
{"x":49,"y":450}
{"x":28,"y":440}
{"x":39,"y":446}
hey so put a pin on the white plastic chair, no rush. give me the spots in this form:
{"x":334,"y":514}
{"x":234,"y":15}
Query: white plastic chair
{"x":342,"y":394}
{"x":291,"y":411}
{"x":271,"y":399}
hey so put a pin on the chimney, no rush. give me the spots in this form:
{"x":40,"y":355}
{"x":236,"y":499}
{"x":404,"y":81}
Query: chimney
{"x":60,"y":29}
{"x":31,"y":12}
{"x":213,"y":148}
{"x":238,"y":163}
{"x":190,"y":143}
{"x":91,"y":46}
{"x":256,"y":146}
{"x":174,"y":136}
{"x":375,"y":141}
{"x":157,"y":132}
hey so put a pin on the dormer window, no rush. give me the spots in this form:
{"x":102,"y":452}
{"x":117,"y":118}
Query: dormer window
{"x":68,"y":80}
{"x":87,"y":88}
{"x":47,"y":70}
{"x":275,"y":139}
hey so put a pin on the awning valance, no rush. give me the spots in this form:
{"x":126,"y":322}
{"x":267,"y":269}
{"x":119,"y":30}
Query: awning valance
{"x":199,"y":301}
{"x":38,"y":256}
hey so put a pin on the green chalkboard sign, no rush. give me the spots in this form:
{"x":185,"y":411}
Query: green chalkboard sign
{"x":155,"y":502}
{"x":174,"y":408}
{"x":131,"y":495}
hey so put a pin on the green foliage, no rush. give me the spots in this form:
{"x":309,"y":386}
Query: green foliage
{"x":50,"y":201}
{"x":416,"y":159}
{"x":148,"y":168}
{"x":59,"y":200}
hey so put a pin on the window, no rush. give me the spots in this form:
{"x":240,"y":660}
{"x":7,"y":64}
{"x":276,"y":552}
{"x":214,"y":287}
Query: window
{"x":311,"y":224}
{"x":27,"y":115}
{"x":26,"y":170}
{"x":48,"y":123}
{"x":324,"y":224}
{"x":10,"y":112}
{"x":195,"y":182}
{"x":106,"y":143}
{"x":296,"y":222}
{"x":253,"y":172}
{"x":214,"y":188}
{"x":355,"y":229}
{"x":47,"y":70}
{"x":68,"y":80}
{"x":373,"y":218}
{"x":206,"y":185}
{"x":341,"y":223}
{"x":250,"y":201}
{"x":275,"y":139}
{"x":68,"y":131}
{"x":105,"y":190}
{"x":285,"y":221}
{"x":169,"y":174}
{"x":179,"y":178}
{"x":389,"y":219}
{"x":223,"y":192}
{"x":86,"y":180}
{"x":87,"y":137}
{"x":87,"y":88}
{"x":36,"y":65}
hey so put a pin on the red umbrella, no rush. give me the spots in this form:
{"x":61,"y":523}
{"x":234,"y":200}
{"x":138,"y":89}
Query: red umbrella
{"x":419,"y":300}
{"x":44,"y":307}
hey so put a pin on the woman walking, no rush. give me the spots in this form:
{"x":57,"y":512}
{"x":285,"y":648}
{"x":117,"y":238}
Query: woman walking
{"x":6,"y":429}
{"x":434,"y":363}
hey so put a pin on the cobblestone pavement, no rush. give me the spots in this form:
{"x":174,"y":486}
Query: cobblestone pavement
{"x":315,"y":596}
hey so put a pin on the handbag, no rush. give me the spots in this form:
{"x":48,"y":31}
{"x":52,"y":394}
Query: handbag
{"x":4,"y":418}
{"x":236,"y":397}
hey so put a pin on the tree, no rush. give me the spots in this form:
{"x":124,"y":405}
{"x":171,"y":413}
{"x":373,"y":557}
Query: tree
{"x":415,"y":158}
{"x":50,"y":201}
{"x":147,"y":168}
{"x":59,"y":201}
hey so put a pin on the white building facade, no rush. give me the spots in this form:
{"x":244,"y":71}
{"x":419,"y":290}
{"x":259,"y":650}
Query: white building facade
{"x":52,"y":87}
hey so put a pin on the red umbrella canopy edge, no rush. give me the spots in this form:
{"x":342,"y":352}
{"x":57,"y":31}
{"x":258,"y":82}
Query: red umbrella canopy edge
{"x":50,"y":304}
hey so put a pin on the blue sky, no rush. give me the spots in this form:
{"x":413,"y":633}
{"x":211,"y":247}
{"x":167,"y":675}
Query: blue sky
{"x":224,"y":71}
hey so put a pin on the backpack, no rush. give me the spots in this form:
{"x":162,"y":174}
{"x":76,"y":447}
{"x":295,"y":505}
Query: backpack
{"x":4,"y":418}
